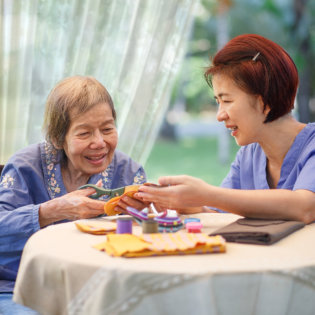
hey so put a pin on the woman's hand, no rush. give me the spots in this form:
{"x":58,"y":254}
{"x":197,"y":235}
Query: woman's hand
{"x":72,"y":206}
{"x":190,"y":210}
{"x":176,"y":192}
{"x":133,"y":202}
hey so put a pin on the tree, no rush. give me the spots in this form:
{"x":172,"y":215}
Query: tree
{"x":290,"y":24}
{"x":302,"y":37}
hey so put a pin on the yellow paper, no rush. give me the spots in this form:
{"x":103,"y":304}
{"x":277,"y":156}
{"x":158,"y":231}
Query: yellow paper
{"x":112,"y":203}
{"x":128,"y":245}
{"x":95,"y":227}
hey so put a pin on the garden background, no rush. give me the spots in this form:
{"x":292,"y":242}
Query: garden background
{"x":190,"y":141}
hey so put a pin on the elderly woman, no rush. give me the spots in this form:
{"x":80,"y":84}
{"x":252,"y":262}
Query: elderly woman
{"x":39,"y":184}
{"x":273,"y":176}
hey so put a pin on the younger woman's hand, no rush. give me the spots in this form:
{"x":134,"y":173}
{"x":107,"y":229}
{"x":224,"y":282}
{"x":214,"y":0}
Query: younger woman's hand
{"x":133,"y":202}
{"x":176,"y":192}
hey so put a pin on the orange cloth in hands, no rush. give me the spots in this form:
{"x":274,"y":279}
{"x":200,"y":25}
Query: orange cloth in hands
{"x":112,"y":203}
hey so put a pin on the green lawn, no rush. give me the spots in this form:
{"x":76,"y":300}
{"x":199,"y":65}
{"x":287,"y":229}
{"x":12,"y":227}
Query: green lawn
{"x":196,"y":157}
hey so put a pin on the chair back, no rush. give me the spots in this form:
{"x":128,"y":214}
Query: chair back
{"x":1,"y":168}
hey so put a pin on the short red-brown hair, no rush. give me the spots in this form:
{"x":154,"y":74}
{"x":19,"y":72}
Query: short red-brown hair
{"x":272,"y":74}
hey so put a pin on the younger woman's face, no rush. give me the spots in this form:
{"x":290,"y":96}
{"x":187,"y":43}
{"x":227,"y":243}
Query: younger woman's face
{"x":91,"y":140}
{"x":242,"y":113}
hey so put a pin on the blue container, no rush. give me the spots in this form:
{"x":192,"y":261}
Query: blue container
{"x":187,"y":220}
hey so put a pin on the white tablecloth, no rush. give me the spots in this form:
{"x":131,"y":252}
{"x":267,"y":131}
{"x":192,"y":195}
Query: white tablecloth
{"x":60,"y":273}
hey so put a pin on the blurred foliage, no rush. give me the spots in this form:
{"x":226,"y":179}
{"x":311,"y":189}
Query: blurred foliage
{"x":290,"y":23}
{"x":191,"y":156}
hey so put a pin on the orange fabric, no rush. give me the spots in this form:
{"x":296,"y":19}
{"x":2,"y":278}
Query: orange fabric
{"x":112,"y":203}
{"x":129,"y":245}
{"x":98,"y":228}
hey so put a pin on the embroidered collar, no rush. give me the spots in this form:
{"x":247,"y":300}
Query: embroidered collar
{"x":51,"y":163}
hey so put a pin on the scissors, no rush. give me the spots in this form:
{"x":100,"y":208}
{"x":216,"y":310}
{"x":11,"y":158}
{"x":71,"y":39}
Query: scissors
{"x":114,"y":195}
{"x":102,"y":191}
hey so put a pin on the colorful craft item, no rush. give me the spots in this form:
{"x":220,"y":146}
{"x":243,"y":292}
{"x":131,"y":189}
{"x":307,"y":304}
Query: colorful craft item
{"x":187,"y":220}
{"x":124,"y":225}
{"x":156,"y":244}
{"x":193,"y":227}
{"x":141,"y":215}
{"x":96,"y":227}
{"x":168,"y":221}
{"x":114,"y":194}
{"x":111,"y":204}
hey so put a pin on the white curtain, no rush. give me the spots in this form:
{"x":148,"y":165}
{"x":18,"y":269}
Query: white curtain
{"x":134,"y":47}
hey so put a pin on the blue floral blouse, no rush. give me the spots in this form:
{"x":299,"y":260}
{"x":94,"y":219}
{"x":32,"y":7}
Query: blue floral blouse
{"x":33,"y":176}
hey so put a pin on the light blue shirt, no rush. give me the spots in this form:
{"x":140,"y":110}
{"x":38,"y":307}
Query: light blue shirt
{"x":248,"y":171}
{"x":33,"y":176}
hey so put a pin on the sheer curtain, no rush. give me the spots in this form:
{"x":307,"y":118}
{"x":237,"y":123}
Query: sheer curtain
{"x":134,"y":47}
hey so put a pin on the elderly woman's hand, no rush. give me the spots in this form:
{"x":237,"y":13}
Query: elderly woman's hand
{"x":72,"y":206}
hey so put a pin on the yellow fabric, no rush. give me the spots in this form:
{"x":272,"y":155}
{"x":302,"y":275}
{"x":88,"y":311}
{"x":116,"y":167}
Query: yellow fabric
{"x":117,"y":245}
{"x":98,"y":228}
{"x":128,"y":245}
{"x":112,"y":203}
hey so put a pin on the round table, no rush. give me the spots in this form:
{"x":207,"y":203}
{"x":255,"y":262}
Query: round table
{"x":61,"y":273}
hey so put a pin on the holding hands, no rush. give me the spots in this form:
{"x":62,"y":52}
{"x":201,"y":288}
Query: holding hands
{"x":78,"y":205}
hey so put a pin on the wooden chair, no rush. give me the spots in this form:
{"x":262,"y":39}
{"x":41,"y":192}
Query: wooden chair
{"x":1,"y":168}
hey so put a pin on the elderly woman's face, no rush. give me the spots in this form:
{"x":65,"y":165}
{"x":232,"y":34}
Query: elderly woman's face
{"x":91,"y":140}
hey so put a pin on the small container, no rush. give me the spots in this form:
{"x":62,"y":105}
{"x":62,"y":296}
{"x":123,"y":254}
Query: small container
{"x":124,"y":225}
{"x":193,"y":227}
{"x":150,"y":226}
{"x":187,"y":220}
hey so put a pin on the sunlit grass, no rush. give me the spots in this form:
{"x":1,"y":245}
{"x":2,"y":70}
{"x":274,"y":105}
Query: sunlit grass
{"x":196,"y":157}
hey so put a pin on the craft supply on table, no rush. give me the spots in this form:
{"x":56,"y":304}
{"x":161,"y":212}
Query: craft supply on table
{"x":96,"y":227}
{"x":168,"y":221}
{"x":124,"y":225}
{"x":258,"y":231}
{"x":150,"y":225}
{"x":157,"y":244}
{"x":193,"y":227}
{"x":187,"y":220}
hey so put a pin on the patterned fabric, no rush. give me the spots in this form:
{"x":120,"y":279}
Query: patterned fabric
{"x":33,"y":176}
{"x":7,"y":181}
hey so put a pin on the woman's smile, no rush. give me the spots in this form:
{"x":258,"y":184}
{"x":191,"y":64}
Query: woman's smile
{"x":91,"y":140}
{"x":96,"y":159}
{"x":233,"y":130}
